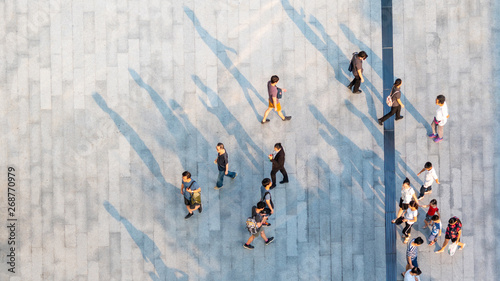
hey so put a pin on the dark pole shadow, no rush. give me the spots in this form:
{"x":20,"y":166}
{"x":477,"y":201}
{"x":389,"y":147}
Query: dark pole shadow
{"x":230,"y":123}
{"x":150,"y":251}
{"x":176,"y":120}
{"x":220,"y":50}
{"x":377,"y":61}
{"x":133,"y":138}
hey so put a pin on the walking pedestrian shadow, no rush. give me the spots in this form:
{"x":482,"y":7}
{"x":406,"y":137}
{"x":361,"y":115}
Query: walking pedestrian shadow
{"x":378,"y":136}
{"x":177,"y":122}
{"x":133,"y":138}
{"x":230,"y":123}
{"x":327,"y":47}
{"x":149,"y":250}
{"x":376,"y":64}
{"x":220,"y":50}
{"x":350,"y":154}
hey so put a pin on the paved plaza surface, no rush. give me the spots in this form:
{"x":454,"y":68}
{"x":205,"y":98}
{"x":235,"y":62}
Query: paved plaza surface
{"x":106,"y":103}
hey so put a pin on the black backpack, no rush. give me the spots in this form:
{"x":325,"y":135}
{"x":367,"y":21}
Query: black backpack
{"x":351,"y":65}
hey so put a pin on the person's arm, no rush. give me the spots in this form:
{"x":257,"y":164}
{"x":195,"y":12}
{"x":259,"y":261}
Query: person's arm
{"x":182,"y":189}
{"x":459,"y":234}
{"x":409,"y":261}
{"x":275,"y":103}
{"x":196,"y":190}
{"x":420,"y":172}
{"x":361,"y":75}
{"x":400,"y":103}
{"x":437,"y":181}
{"x":438,"y":214}
{"x":268,"y":202}
{"x":227,"y":168}
{"x":439,"y":232}
{"x":415,"y":199}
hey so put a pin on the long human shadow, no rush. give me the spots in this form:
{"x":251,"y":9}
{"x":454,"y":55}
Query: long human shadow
{"x":150,"y":251}
{"x":229,"y":122}
{"x":220,"y":50}
{"x":379,"y":139}
{"x":323,"y":45}
{"x":377,"y":61}
{"x":349,"y":153}
{"x":176,"y":120}
{"x":133,"y":138}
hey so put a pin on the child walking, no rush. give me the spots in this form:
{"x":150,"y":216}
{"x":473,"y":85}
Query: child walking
{"x":433,"y":209}
{"x":435,"y":230}
{"x":440,"y":119}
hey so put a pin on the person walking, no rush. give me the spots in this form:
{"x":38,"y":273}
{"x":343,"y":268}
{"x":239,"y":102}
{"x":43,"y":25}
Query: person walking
{"x":259,"y":219}
{"x":278,"y":160}
{"x":396,"y":103}
{"x":433,"y":209}
{"x":356,"y":67}
{"x":274,"y":100}
{"x":265,"y":196}
{"x":430,"y":177}
{"x":223,"y":166}
{"x":435,"y":230}
{"x":440,"y":119}
{"x":407,"y":195}
{"x":412,"y":274}
{"x":412,"y":253}
{"x":409,"y":219}
{"x":453,"y":233}
{"x":192,"y":194}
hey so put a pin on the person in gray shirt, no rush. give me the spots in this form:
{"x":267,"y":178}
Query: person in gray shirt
{"x":356,"y":67}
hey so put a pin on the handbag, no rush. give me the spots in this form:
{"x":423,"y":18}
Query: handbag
{"x":195,"y":196}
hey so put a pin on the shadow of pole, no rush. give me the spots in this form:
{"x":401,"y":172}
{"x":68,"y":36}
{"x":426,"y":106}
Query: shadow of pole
{"x":230,"y":123}
{"x":220,"y":50}
{"x":149,"y":250}
{"x":133,"y":138}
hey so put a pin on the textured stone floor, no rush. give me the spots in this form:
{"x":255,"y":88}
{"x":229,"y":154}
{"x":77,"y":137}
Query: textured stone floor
{"x":106,"y":103}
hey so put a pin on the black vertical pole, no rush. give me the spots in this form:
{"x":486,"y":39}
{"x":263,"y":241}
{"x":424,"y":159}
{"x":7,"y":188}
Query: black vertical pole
{"x":389,"y":150}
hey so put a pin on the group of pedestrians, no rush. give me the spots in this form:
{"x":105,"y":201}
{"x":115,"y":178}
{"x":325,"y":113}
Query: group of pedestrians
{"x":260,"y":213}
{"x":408,"y":214}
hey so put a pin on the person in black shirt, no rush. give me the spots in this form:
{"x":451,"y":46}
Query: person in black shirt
{"x":223,"y":166}
{"x":278,"y":160}
{"x":357,"y":70}
{"x":260,"y":219}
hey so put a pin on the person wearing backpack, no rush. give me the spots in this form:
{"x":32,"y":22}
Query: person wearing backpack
{"x":265,"y":196}
{"x":394,"y":101}
{"x":254,"y":226}
{"x":192,"y":194}
{"x":356,"y":67}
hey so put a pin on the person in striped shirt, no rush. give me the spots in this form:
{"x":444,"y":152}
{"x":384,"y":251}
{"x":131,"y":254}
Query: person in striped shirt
{"x":412,"y":253}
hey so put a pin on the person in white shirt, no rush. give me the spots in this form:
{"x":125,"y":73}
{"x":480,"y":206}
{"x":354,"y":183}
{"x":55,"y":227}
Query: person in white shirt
{"x":409,"y":219}
{"x":412,"y":274}
{"x":440,"y":119}
{"x":430,"y":177}
{"x":407,"y":195}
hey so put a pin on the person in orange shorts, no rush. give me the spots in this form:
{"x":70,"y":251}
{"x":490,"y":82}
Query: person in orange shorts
{"x":274,"y":103}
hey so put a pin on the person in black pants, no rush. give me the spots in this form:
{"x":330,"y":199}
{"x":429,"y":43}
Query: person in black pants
{"x":278,"y":160}
{"x":396,"y":103}
{"x":356,"y":67}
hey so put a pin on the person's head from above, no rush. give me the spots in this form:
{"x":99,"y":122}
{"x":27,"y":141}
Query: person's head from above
{"x":398,"y":83}
{"x":413,"y":205}
{"x":435,"y":218}
{"x":418,"y":241}
{"x":186,"y":176}
{"x":220,"y":147}
{"x":277,"y":146}
{"x":406,"y":183}
{"x":267,"y":183}
{"x":362,"y":55}
{"x":433,"y":203}
{"x":428,"y":166}
{"x":260,"y":206}
{"x":440,"y":100}
{"x":274,"y":79}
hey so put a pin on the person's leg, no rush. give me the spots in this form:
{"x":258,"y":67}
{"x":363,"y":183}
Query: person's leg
{"x":285,"y":175}
{"x":273,"y":176}
{"x":422,"y":192}
{"x":385,"y":117}
{"x":444,"y":245}
{"x":398,"y":112}
{"x":440,"y":131}
{"x":352,"y":83}
{"x":250,"y":240}
{"x":266,"y":114}
{"x":263,"y":235}
{"x":189,"y":209}
{"x":231,"y":174}
{"x":357,"y":84}
{"x":406,"y":230}
{"x":220,"y":179}
{"x":280,"y":114}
